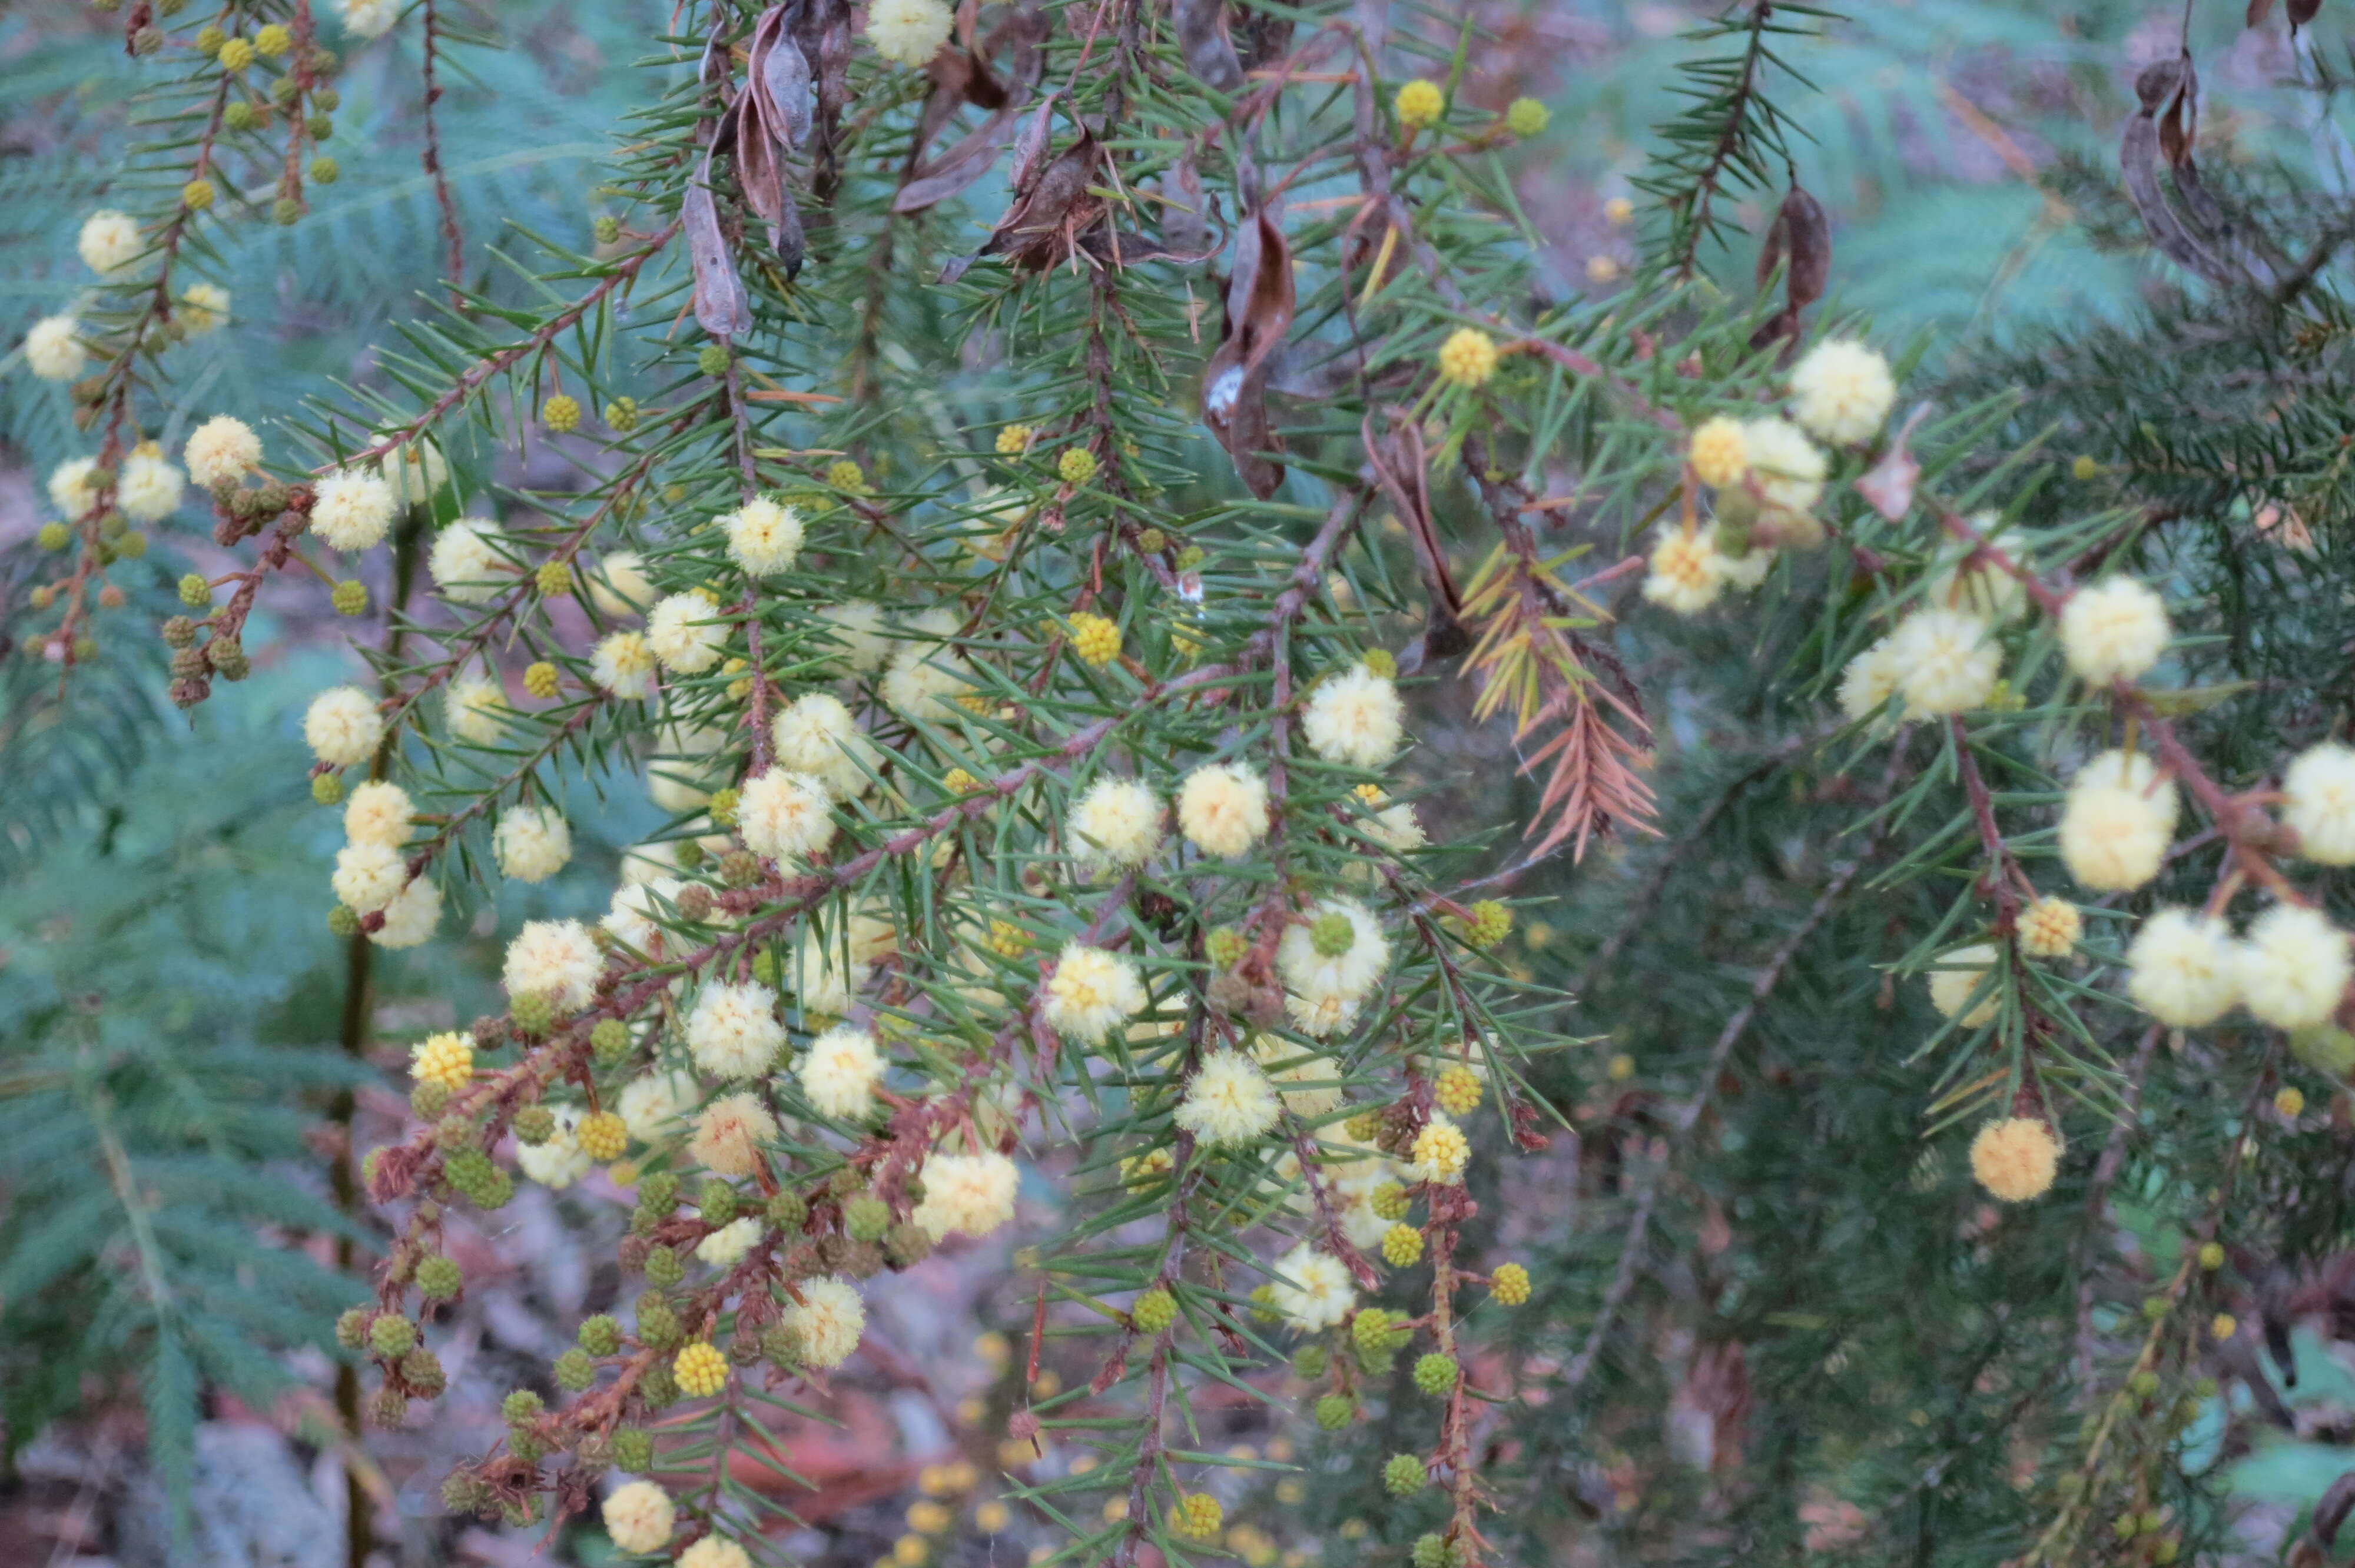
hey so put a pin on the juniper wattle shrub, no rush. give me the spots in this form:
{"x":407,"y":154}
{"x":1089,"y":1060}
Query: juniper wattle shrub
{"x":1024,"y":460}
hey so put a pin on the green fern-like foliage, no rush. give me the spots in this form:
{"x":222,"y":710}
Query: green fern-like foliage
{"x":158,"y":1072}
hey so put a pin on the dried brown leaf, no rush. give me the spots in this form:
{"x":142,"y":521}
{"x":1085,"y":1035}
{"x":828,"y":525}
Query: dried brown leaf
{"x":1202,"y":39}
{"x":2301,"y":12}
{"x":1258,"y":306}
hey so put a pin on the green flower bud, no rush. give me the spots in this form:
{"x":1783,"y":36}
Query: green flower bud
{"x":1404,"y":1476}
{"x":1436,"y":1374}
{"x":439,"y":1277}
{"x":574,"y":1370}
{"x":865,"y":1218}
{"x":1153,"y":1311}
{"x":391,"y":1335}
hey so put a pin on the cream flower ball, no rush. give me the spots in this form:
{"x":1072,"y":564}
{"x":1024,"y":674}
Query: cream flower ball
{"x":1347,"y":976}
{"x":2319,"y":803}
{"x":656,"y":1106}
{"x":1946,"y":661}
{"x":369,"y":876}
{"x":1841,"y":391}
{"x":821,"y":984}
{"x":857,"y":629}
{"x":531,"y":843}
{"x":1745,"y":571}
{"x":733,"y":1031}
{"x":636,"y":914}
{"x":1959,"y":974}
{"x":839,"y":1071}
{"x":827,"y":1320}
{"x":2115,"y":629}
{"x":1354,"y":718}
{"x":2116,"y":822}
{"x":352,"y":511}
{"x":415,"y":470}
{"x":2294,"y":967}
{"x":1229,"y":1101}
{"x":815,"y":734}
{"x":1090,"y":992}
{"x":149,"y":488}
{"x":1312,"y":1289}
{"x":715,"y":1550}
{"x":109,"y":243}
{"x":639,"y":1515}
{"x":221,"y":450}
{"x":966,"y":1194}
{"x":763,"y":536}
{"x":1983,"y":588}
{"x":475,"y":710}
{"x":1683,"y":573}
{"x":1868,"y":683}
{"x":2015,"y":1158}
{"x":204,"y":307}
{"x":73,"y":486}
{"x":378,"y":812}
{"x":1309,"y":1081}
{"x":1117,"y":822}
{"x":908,"y":32}
{"x":1786,"y":468}
{"x":684,"y":631}
{"x":365,"y":19}
{"x":925,"y":680}
{"x":728,"y":1133}
{"x":784,"y":815}
{"x":466,"y":562}
{"x":622,"y":664}
{"x":343,"y":727}
{"x":560,"y":1161}
{"x":53,"y":348}
{"x":555,"y":958}
{"x":1222,"y":808}
{"x":2183,"y":969}
{"x":725,"y":1247}
{"x":2131,"y":771}
{"x":411,"y":917}
{"x":619,"y":587}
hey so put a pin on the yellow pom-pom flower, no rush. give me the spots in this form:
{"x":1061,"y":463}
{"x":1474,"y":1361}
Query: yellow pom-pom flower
{"x":1469,"y":357}
{"x":2049,"y":929}
{"x":235,"y":55}
{"x":1526,"y":117}
{"x":272,"y":40}
{"x":603,"y":1137}
{"x":1199,"y":1515}
{"x":446,"y":1059}
{"x":2015,"y":1157}
{"x":1077,"y":465}
{"x":1013,"y":440}
{"x":1510,"y":1283}
{"x":1720,"y":452}
{"x":539,"y":680}
{"x":1457,"y":1090}
{"x":1095,"y":638}
{"x":700,"y":1371}
{"x":561,"y":413}
{"x":2290,"y":1102}
{"x":1401,"y":1246}
{"x":1420,"y":104}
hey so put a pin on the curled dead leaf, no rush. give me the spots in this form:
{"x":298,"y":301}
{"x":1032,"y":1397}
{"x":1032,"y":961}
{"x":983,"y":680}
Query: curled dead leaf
{"x":1258,"y":306}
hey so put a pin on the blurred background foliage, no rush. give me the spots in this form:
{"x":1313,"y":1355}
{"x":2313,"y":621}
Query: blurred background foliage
{"x":1836,"y":1344}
